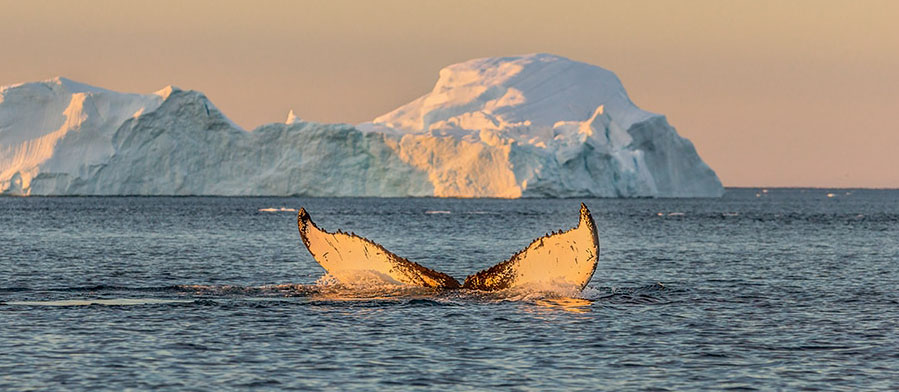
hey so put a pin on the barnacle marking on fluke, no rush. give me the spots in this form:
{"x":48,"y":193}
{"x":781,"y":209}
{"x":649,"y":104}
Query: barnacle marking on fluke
{"x":510,"y":272}
{"x":374,"y":256}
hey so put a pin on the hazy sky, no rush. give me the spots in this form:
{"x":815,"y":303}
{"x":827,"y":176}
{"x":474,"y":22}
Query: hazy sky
{"x":780,"y":93}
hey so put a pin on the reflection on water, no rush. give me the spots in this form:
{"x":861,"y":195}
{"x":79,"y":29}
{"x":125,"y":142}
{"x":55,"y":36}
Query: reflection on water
{"x":568,"y":304}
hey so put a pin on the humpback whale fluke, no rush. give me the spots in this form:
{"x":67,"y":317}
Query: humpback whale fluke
{"x":560,"y":258}
{"x":347,"y":256}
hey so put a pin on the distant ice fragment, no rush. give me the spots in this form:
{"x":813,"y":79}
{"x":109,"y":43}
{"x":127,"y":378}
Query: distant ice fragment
{"x":281,"y":209}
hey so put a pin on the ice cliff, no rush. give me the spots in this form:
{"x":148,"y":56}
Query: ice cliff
{"x":535,"y":125}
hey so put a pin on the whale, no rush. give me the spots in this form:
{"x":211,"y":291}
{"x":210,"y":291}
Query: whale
{"x":347,"y":257}
{"x":565,"y":259}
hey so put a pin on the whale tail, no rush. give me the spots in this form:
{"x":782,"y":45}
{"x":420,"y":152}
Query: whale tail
{"x":349,"y":257}
{"x":558,"y":259}
{"x":561,"y":259}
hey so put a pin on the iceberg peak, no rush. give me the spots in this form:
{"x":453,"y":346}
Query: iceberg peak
{"x":75,"y":87}
{"x":167,"y":91}
{"x":292,"y":118}
{"x":531,"y":91}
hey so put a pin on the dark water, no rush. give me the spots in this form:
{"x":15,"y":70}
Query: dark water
{"x":788,"y":290}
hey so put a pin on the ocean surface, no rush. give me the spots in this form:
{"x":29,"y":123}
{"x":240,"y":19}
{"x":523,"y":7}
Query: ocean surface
{"x":759,"y":290}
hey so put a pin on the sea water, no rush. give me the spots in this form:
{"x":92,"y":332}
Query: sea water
{"x":761,"y":289}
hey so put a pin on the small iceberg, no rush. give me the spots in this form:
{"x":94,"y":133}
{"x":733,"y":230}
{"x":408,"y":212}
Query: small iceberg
{"x":280,"y":209}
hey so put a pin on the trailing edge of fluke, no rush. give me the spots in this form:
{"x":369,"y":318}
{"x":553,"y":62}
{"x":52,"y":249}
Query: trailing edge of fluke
{"x":560,"y":258}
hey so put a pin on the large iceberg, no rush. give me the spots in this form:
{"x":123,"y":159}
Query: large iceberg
{"x":528,"y":126}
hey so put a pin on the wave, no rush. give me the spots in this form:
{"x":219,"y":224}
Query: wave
{"x":99,"y":301}
{"x":328,"y":291}
{"x":90,"y":288}
{"x":325,"y":290}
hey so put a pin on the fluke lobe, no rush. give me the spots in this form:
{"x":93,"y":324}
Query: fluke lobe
{"x":560,"y":259}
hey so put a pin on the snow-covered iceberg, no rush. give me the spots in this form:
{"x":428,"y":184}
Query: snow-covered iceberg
{"x":535,"y":125}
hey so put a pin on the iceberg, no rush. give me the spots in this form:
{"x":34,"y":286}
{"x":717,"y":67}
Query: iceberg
{"x":527,"y":126}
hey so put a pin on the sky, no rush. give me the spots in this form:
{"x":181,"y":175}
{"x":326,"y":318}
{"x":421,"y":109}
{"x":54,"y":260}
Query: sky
{"x":772,"y":93}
